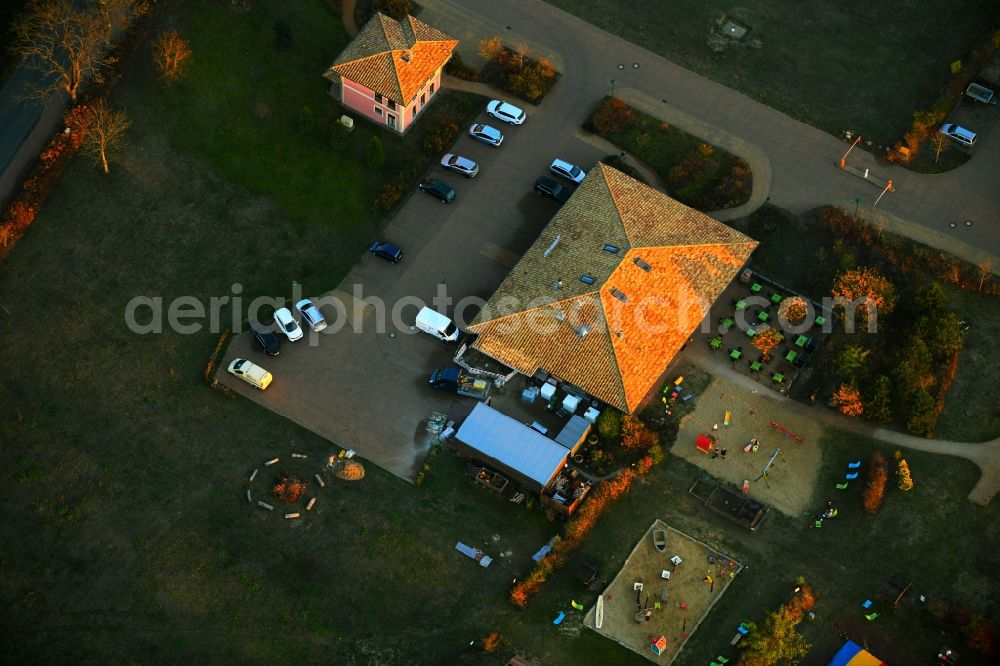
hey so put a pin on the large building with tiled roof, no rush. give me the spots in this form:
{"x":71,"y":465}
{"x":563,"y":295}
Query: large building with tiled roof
{"x":611,"y":289}
{"x":391,"y":70}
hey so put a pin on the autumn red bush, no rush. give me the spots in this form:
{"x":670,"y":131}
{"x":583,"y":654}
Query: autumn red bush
{"x":577,"y":527}
{"x":613,"y":116}
{"x":878,"y":476}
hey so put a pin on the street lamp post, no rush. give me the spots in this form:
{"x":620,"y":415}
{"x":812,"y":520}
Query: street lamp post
{"x":612,"y":88}
{"x":888,"y":186}
{"x":857,"y":206}
{"x":843,"y":160}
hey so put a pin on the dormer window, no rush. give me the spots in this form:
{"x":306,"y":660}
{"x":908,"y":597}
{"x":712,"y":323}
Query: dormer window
{"x":642,"y":264}
{"x":611,"y":249}
{"x":587,"y":279}
{"x":619,"y":295}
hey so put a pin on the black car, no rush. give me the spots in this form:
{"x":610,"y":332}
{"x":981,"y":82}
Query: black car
{"x":438,"y":189}
{"x":266,"y":339}
{"x":386,"y":251}
{"x":551,"y":189}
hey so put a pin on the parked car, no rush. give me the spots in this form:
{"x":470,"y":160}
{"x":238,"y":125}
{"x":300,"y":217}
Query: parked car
{"x":286,"y":322}
{"x":266,"y":339}
{"x":311,"y":314}
{"x":434,"y":323}
{"x":551,"y":189}
{"x":486,"y":134}
{"x":438,"y":189}
{"x":386,"y":251}
{"x":459,"y":164}
{"x":959,"y":133}
{"x":568,"y":171}
{"x":250,"y":373}
{"x":505,"y":112}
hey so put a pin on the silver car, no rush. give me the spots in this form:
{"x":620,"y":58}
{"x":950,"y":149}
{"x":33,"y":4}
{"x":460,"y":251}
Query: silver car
{"x":486,"y":134}
{"x":459,"y":164}
{"x":311,"y":314}
{"x":568,"y":171}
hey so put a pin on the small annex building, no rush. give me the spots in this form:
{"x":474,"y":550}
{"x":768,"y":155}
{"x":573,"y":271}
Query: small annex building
{"x":390,"y":70}
{"x":510,"y":447}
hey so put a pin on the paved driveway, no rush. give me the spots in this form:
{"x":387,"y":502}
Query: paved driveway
{"x":367,"y":391}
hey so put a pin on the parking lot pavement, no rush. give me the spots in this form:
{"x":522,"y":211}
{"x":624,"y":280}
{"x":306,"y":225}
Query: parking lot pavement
{"x":368,"y":391}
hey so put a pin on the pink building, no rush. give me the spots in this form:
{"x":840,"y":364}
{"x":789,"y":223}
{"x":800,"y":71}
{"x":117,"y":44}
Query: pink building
{"x":390,"y":70}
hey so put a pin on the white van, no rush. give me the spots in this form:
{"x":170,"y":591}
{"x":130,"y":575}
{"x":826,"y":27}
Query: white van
{"x":251,"y":373}
{"x":436,"y":324}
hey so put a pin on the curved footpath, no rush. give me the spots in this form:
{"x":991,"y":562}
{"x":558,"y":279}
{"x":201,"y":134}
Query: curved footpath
{"x":985,"y":455}
{"x":794,"y":165}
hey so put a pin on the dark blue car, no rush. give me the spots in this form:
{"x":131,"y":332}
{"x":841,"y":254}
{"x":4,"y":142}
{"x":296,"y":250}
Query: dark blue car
{"x":386,"y":251}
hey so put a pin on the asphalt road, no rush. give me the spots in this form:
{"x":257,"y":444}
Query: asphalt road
{"x":804,"y":172}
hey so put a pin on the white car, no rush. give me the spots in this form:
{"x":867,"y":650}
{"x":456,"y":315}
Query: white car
{"x":283,"y":318}
{"x":251,"y":373}
{"x":568,"y":171}
{"x":505,"y":112}
{"x":311,"y":314}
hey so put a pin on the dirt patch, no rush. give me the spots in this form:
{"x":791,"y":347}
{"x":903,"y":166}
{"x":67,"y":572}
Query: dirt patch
{"x":790,"y":481}
{"x":684,"y":599}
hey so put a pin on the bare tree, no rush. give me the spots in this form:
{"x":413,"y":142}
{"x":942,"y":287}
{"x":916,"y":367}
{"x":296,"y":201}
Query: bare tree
{"x":62,"y":40}
{"x":105,"y":132}
{"x":520,"y":51}
{"x":985,"y":267}
{"x":118,"y":14}
{"x":940,"y":142}
{"x":171,"y":51}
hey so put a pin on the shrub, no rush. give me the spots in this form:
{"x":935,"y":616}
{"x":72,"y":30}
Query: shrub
{"x":878,"y":409}
{"x":577,"y":527}
{"x":613,"y":116}
{"x":636,"y":436}
{"x":878,"y":475}
{"x":876,"y":293}
{"x":457,"y":68}
{"x":688,"y":171}
{"x":847,"y":400}
{"x":376,"y":154}
{"x":388,"y":196}
{"x":767,"y":340}
{"x":644,"y":465}
{"x":903,"y":478}
{"x":440,"y":137}
{"x":491,"y":642}
{"x":920,"y":413}
{"x":532,"y":80}
{"x":340,"y":137}
{"x":397,"y":9}
{"x":609,"y":423}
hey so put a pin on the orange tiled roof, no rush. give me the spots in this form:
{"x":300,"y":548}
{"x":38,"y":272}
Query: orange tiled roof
{"x":393,"y":58}
{"x":614,"y":337}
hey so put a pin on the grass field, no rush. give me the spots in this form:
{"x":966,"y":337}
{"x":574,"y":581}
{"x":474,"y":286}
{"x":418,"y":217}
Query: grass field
{"x":844,"y":66}
{"x":126,"y":536}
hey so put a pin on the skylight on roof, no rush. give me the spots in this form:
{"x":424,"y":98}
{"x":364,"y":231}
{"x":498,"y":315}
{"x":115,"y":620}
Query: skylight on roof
{"x":587,"y":279}
{"x":612,"y":249}
{"x":642,"y":264}
{"x":619,"y":295}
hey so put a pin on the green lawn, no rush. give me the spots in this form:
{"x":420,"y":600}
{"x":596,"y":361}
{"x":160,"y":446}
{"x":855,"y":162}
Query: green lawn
{"x":838,"y":66}
{"x":972,"y":406}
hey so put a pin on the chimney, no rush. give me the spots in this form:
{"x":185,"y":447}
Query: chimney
{"x":406,"y":55}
